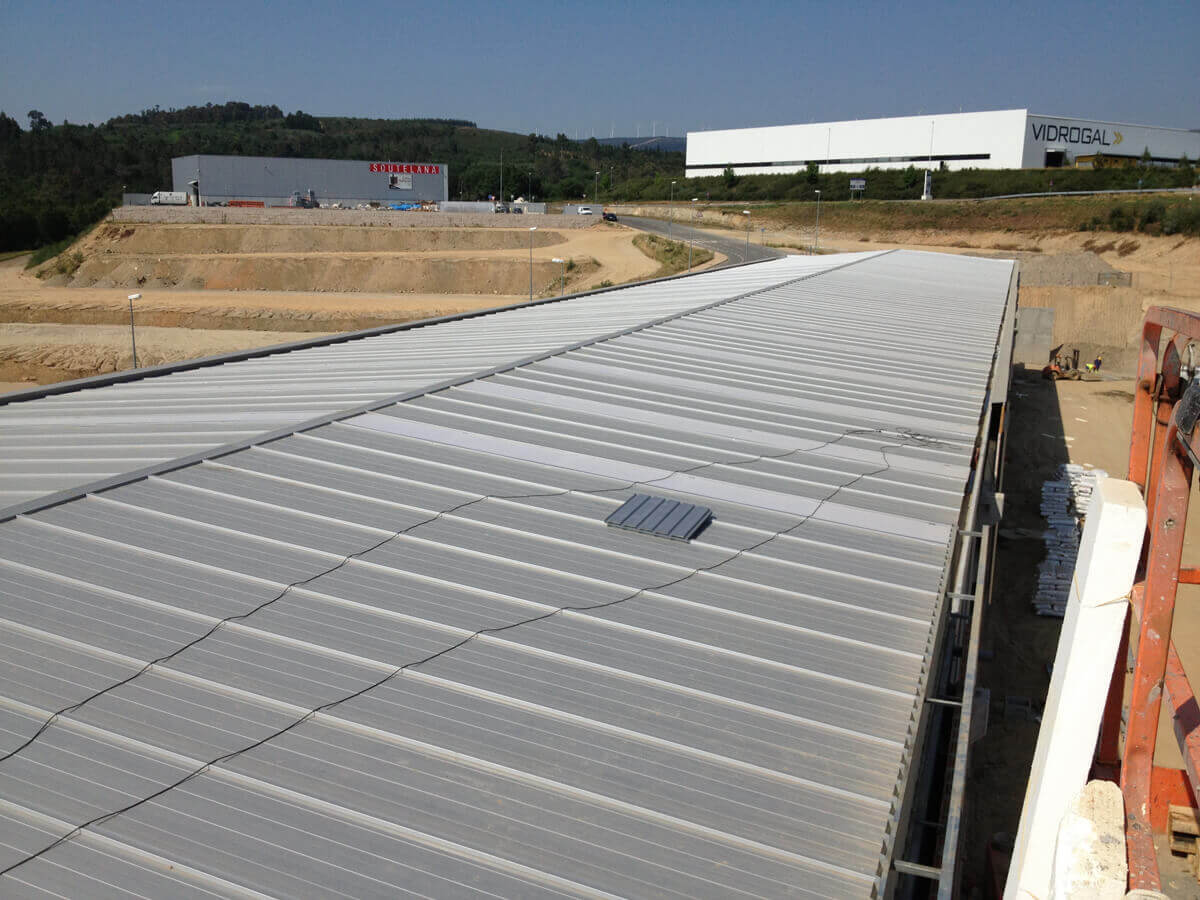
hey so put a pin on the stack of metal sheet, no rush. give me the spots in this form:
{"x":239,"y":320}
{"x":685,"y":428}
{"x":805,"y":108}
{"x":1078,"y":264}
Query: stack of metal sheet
{"x":1065,"y":501}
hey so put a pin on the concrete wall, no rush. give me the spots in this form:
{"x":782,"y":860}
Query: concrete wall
{"x":1035,"y":336}
{"x":1097,"y":320}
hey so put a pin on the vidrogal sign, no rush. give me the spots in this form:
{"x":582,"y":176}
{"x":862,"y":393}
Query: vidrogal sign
{"x":1074,"y":134}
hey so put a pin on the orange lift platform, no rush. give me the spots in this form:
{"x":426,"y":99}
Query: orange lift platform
{"x":1163,"y":454}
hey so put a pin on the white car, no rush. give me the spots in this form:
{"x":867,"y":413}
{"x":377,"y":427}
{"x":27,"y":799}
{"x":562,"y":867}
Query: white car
{"x":585,"y":210}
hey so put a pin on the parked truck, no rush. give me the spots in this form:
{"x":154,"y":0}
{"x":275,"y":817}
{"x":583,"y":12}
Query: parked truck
{"x":169,"y":198}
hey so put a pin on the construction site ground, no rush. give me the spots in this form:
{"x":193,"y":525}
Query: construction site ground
{"x":1051,"y":422}
{"x":207,"y":287}
{"x":1060,"y":266}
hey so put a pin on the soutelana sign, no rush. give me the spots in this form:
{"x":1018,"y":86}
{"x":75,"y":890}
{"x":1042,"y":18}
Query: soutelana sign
{"x":1075,"y":134}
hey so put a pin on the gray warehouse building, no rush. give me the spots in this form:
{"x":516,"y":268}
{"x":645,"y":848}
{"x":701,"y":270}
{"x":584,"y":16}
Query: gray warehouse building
{"x":273,"y":180}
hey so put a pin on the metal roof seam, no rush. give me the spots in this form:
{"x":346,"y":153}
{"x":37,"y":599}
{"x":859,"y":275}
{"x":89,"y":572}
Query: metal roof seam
{"x":103,"y":484}
{"x":918,"y":441}
{"x":909,"y":438}
{"x":317,"y":343}
{"x":639,"y":719}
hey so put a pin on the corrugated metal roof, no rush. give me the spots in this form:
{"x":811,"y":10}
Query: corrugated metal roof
{"x":515,"y":699}
{"x":62,"y":441}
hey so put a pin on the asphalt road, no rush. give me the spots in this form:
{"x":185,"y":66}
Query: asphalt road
{"x":736,"y":251}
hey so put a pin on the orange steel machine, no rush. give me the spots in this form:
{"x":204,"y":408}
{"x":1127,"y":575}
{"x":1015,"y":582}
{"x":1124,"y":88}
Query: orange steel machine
{"x":1163,"y":453}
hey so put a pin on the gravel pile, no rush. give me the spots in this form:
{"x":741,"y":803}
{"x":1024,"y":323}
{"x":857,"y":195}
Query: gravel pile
{"x":1079,"y":269}
{"x":216,"y":215}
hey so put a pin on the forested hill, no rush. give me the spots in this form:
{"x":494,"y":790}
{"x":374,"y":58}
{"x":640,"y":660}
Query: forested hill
{"x":55,"y":180}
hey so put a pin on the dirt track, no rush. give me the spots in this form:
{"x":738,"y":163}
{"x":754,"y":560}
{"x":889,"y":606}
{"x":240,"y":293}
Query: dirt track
{"x":1050,"y":423}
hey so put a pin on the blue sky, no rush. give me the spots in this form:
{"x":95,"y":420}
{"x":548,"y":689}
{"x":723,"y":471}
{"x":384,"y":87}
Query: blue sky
{"x":595,"y":67}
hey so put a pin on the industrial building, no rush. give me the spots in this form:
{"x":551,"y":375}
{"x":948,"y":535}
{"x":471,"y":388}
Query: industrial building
{"x":351,"y":618}
{"x":1004,"y":139}
{"x":273,"y":181}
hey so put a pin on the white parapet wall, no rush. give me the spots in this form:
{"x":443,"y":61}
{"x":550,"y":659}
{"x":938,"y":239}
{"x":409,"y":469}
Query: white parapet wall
{"x":1087,"y":649}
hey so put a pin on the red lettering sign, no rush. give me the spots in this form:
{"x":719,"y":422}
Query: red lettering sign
{"x":413,"y":168}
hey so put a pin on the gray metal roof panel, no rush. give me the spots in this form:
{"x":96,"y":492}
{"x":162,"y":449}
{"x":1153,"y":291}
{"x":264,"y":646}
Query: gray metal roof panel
{"x":731,"y":721}
{"x":224,"y":403}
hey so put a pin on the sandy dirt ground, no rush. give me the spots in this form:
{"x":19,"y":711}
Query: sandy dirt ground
{"x":265,"y":281}
{"x":490,"y":261}
{"x":1051,"y":423}
{"x":1059,"y":270}
{"x":58,"y":352}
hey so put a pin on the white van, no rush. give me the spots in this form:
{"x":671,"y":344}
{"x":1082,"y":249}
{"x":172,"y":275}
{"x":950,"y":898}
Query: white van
{"x":585,"y":210}
{"x":169,"y":198}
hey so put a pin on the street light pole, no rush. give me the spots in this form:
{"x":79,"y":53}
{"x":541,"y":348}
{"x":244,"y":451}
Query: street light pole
{"x":132,"y":336}
{"x":671,"y":218}
{"x":596,"y":188}
{"x":817,"y":241}
{"x":531,"y":231}
{"x":746,"y":213}
{"x":692,"y":242}
{"x":562,"y":275}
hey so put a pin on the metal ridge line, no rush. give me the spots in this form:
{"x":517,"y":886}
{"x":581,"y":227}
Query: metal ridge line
{"x":66,"y":495}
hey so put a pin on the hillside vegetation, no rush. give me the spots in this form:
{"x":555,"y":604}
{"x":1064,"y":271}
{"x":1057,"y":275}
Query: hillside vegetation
{"x":55,"y":180}
{"x":1153,"y":214}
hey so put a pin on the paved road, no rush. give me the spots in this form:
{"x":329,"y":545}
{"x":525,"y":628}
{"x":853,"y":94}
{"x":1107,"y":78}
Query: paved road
{"x":737,"y":251}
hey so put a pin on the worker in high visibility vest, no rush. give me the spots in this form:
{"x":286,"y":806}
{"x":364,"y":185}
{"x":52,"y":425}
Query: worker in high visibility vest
{"x":1094,"y":365}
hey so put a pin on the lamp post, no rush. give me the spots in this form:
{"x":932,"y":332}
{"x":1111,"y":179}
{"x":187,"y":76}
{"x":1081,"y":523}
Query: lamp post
{"x":531,"y":231}
{"x":529,"y":186}
{"x":746,"y":213}
{"x":562,"y":275}
{"x":692,"y":242}
{"x":671,"y":218}
{"x":817,"y":241}
{"x":596,"y":188}
{"x":132,"y":336}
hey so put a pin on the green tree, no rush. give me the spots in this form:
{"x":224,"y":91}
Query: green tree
{"x":302,"y":121}
{"x":37,"y":121}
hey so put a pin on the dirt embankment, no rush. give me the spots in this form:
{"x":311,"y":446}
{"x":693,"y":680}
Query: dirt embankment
{"x":353,"y":218}
{"x":40,"y":354}
{"x":489,"y":261}
{"x":1062,"y":267}
{"x":267,"y":280}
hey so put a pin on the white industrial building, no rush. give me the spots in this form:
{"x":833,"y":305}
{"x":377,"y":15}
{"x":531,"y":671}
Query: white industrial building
{"x":1004,"y":139}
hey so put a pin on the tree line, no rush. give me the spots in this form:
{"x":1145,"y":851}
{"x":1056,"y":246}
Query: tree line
{"x":57,"y":179}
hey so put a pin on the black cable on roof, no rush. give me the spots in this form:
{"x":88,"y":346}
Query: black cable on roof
{"x":909,"y":439}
